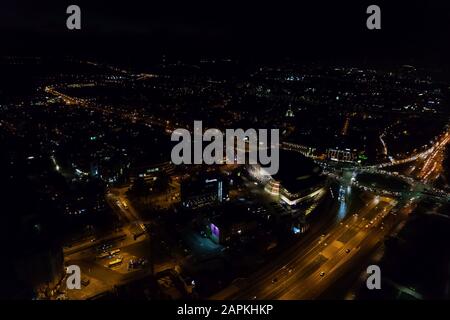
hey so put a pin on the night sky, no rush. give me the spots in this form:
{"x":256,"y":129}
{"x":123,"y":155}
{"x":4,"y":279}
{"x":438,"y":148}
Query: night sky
{"x":412,"y":31}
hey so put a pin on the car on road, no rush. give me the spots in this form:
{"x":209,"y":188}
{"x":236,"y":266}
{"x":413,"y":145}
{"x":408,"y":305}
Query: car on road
{"x":114,"y":263}
{"x":103,"y":255}
{"x":347,"y":250}
{"x":114,"y":252}
{"x":322,"y":273}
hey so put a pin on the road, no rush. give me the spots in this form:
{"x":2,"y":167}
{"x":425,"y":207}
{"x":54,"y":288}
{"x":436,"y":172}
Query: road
{"x":122,"y":207}
{"x":130,"y":247}
{"x":297,"y":275}
{"x":124,"y":114}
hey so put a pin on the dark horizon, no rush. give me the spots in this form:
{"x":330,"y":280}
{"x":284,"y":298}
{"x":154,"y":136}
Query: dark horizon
{"x":412,"y":32}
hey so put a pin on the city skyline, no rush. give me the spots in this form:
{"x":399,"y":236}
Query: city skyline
{"x":136,"y":161}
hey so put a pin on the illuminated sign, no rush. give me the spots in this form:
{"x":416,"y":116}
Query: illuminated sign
{"x":220,"y":192}
{"x":215,"y":233}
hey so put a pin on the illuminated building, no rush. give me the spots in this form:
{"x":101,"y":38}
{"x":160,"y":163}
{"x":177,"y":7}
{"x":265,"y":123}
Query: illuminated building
{"x":298,"y":180}
{"x":230,"y":222}
{"x":346,"y":155}
{"x":273,"y":187}
{"x":150,"y":171}
{"x":203,"y":190}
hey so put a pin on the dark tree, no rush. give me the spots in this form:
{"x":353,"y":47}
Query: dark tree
{"x":162,"y":182}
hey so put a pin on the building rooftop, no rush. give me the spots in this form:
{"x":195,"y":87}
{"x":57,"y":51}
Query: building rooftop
{"x":297,"y":172}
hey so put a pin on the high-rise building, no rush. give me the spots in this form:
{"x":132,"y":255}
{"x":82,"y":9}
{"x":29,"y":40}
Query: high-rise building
{"x":203,"y":190}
